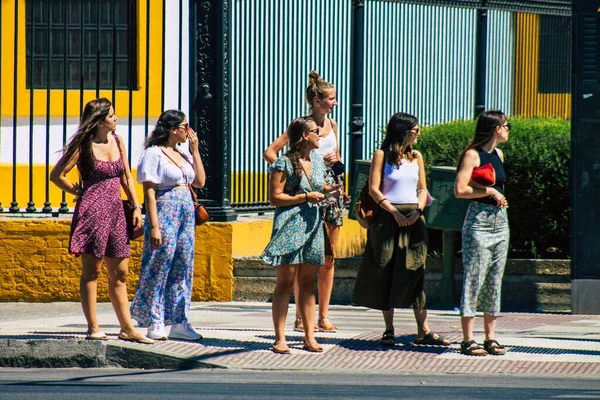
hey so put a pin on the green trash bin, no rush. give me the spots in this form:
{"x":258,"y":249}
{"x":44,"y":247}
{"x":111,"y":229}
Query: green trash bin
{"x":446,"y":213}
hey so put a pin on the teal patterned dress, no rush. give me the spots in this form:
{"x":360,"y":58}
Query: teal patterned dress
{"x":297,"y":236}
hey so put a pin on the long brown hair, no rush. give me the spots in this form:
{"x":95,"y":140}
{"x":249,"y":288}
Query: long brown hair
{"x":398,"y":127}
{"x":94,"y":112}
{"x":295,"y":130}
{"x":317,"y":87}
{"x":487,"y":123}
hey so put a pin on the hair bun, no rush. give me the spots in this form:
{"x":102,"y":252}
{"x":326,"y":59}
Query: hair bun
{"x":314,"y":76}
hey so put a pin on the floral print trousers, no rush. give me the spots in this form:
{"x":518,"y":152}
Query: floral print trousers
{"x":164,"y":291}
{"x":484,"y":248}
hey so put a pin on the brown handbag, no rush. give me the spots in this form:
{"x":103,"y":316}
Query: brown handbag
{"x":199,"y":211}
{"x":366,"y":208}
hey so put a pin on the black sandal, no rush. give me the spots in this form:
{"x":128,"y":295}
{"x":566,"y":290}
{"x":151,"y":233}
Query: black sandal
{"x":432,"y":339}
{"x":388,"y":339}
{"x":471,"y":348}
{"x":494,"y":348}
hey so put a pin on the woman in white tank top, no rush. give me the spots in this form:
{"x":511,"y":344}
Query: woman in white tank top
{"x":321,"y":98}
{"x":392,"y":270}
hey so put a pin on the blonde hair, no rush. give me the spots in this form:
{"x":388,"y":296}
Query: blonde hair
{"x":317,"y":87}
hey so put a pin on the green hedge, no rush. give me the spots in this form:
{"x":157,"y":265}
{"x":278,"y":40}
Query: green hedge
{"x":537,"y":158}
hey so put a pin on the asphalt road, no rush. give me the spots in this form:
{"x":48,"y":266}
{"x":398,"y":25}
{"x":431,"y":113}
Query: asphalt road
{"x":89,"y":384}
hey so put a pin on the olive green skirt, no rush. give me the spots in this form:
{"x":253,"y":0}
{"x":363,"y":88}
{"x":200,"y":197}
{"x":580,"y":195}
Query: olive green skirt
{"x":392,"y":270}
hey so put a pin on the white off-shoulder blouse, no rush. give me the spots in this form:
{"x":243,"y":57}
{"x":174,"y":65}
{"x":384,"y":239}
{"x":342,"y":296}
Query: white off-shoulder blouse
{"x":154,"y":166}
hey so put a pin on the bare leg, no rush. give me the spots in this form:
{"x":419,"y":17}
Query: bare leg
{"x":281,"y":302}
{"x":422,"y":324}
{"x":388,"y":318}
{"x":467,"y":323}
{"x":88,"y":289}
{"x":306,"y":280}
{"x":296,"y":290}
{"x":326,"y":273}
{"x":489,"y":326}
{"x":118,"y":270}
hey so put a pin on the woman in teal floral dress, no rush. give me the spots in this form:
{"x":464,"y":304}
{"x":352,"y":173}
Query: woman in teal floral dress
{"x":296,"y":187}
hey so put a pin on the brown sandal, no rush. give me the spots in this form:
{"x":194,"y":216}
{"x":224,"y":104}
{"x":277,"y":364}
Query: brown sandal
{"x":299,"y":326}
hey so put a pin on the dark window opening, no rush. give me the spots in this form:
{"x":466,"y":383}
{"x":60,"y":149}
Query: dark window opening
{"x":554,"y":64}
{"x":91,"y":43}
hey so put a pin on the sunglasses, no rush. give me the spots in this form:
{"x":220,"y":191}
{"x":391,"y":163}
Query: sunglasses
{"x":507,"y":126}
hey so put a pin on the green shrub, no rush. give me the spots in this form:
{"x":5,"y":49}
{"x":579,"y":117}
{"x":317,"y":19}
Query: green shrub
{"x":537,"y":157}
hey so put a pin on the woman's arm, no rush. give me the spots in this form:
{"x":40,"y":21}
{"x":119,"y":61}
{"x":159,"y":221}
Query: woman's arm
{"x":200,"y":175}
{"x":151,"y":211}
{"x":462,"y":187}
{"x":421,"y":183}
{"x":58,"y":176}
{"x":278,"y":198}
{"x":129,"y":185}
{"x":270,"y":154}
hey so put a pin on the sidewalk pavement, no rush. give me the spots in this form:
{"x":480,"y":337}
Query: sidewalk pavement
{"x":238,"y":335}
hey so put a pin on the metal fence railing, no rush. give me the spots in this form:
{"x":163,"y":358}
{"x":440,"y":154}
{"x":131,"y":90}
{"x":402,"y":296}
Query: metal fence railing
{"x":419,"y":57}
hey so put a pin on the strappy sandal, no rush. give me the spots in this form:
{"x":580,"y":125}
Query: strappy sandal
{"x":432,"y":339}
{"x":494,"y":348}
{"x":299,"y":326}
{"x":388,"y":339}
{"x":326,"y":326}
{"x":471,"y":348}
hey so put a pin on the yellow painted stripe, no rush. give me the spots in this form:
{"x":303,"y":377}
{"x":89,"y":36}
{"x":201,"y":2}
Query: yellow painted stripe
{"x":528,"y":101}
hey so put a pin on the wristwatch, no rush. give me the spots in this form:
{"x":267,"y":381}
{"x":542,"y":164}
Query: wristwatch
{"x":420,"y":211}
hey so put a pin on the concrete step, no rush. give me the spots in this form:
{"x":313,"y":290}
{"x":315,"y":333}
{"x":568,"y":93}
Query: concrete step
{"x":528,"y":285}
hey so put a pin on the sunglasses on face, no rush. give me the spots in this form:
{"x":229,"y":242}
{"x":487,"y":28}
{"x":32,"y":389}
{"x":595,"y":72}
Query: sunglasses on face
{"x":507,"y":126}
{"x":183,"y":126}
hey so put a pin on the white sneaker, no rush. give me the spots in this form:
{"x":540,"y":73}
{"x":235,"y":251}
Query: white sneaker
{"x":184,"y":332}
{"x":156,"y":331}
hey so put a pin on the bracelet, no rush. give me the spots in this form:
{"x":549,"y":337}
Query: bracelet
{"x":140,"y":207}
{"x":306,"y":196}
{"x":420,"y":212}
{"x":381,"y":201}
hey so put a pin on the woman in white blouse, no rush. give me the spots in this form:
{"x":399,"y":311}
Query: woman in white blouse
{"x":165,"y":168}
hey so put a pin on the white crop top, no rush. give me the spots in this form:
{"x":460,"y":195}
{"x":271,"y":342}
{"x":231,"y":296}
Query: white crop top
{"x":328,"y":143}
{"x":400,"y":182}
{"x":154,"y":166}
